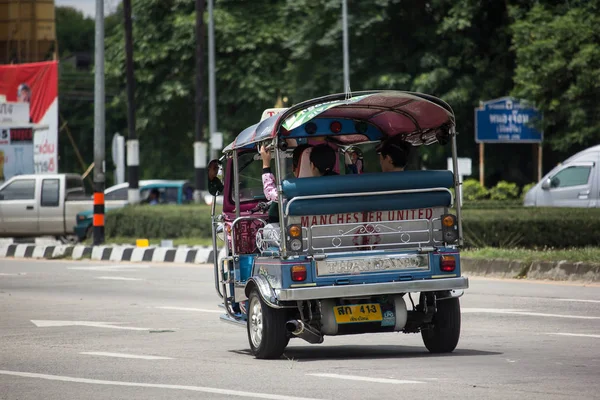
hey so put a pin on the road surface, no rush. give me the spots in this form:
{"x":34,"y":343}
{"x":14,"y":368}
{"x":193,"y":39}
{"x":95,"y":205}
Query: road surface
{"x":88,"y":330}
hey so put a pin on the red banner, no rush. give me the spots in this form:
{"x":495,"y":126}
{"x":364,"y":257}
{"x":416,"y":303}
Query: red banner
{"x":36,"y":84}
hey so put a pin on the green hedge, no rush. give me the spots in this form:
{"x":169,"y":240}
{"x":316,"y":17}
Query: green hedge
{"x":532,"y":227}
{"x":159,"y":222}
{"x":525,"y":227}
{"x":492,"y":204}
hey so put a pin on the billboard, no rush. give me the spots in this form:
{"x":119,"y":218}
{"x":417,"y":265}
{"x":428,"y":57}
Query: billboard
{"x":506,"y":120}
{"x":37,"y":85}
{"x":16,"y":152}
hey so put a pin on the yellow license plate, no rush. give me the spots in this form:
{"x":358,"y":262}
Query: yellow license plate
{"x":357,"y":313}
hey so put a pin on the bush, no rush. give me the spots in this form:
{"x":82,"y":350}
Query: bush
{"x":159,"y":222}
{"x":532,"y":228}
{"x":472,"y":190}
{"x":526,"y":189}
{"x":524,"y":227}
{"x":504,"y":191}
{"x":492,"y":204}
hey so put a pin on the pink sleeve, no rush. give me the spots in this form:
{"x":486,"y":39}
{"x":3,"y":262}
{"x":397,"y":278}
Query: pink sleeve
{"x":269,"y":186}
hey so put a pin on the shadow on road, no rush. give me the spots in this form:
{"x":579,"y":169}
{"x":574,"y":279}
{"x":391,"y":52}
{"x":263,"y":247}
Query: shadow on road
{"x":319,"y":353}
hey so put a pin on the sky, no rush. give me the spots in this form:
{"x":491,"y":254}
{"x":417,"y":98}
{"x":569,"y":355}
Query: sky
{"x":88,"y":7}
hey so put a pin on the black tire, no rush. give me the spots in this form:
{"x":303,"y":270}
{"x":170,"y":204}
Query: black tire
{"x":443,"y":335}
{"x":273,"y":336}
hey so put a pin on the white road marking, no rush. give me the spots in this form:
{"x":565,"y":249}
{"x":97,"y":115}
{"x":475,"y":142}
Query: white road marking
{"x":191,"y":309}
{"x":119,"y":267}
{"x":95,"y":324}
{"x":118,"y":278}
{"x":579,"y":300}
{"x":522,"y":312}
{"x":122,"y":355}
{"x":575,"y":334}
{"x":19,"y":274}
{"x":366,"y":379}
{"x":226,"y":392}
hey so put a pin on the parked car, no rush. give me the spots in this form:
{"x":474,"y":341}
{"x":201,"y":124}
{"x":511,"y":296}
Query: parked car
{"x":42,"y":205}
{"x":573,"y":183}
{"x":170,"y":192}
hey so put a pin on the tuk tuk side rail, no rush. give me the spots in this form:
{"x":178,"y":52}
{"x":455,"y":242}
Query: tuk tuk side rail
{"x":233,"y":226}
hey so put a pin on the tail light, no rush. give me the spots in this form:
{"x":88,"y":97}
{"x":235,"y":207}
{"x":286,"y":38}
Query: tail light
{"x":449,"y":228}
{"x":294,"y":237}
{"x":447,"y":263}
{"x":298,"y":273}
{"x":335,"y":127}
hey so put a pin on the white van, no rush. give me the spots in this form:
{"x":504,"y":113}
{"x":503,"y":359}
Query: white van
{"x":574,"y":183}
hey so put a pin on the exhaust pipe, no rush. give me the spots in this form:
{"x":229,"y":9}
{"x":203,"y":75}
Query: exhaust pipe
{"x":304,"y":331}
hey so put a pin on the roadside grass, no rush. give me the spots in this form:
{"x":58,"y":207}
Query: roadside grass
{"x":192,"y":241}
{"x":585,"y":254}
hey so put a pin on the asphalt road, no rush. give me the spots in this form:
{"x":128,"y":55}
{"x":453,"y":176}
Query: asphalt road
{"x":83,"y":330}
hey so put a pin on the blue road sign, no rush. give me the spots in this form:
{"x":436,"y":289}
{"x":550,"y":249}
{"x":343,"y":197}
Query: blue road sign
{"x":506,"y":120}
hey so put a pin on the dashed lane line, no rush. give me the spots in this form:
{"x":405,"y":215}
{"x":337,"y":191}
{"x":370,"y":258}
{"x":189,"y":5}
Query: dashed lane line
{"x":118,"y":278}
{"x":586,"y":335}
{"x":522,"y":312}
{"x":123,"y":355}
{"x":578,"y":300}
{"x":203,"y":389}
{"x":365,"y":379}
{"x":190,"y":309}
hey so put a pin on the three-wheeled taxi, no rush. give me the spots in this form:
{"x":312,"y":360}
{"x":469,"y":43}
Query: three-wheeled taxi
{"x":343,"y":253}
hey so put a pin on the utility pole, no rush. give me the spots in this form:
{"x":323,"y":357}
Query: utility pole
{"x":212,"y":106}
{"x":133,"y":145}
{"x":199,"y":144}
{"x":99,"y":115}
{"x":345,"y":45}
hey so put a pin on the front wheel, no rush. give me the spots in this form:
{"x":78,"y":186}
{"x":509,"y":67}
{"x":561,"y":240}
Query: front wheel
{"x":266,"y":328}
{"x":443,"y":335}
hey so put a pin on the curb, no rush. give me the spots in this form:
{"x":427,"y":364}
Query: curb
{"x":539,"y":270}
{"x":190,"y":255}
{"x":494,"y":268}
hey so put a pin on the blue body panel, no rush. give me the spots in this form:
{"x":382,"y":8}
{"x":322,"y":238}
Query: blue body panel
{"x":278,"y":272}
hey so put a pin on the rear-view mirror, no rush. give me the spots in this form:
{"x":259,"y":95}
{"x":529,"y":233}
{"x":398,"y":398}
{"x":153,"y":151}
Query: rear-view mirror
{"x":546,"y":184}
{"x":215,"y":185}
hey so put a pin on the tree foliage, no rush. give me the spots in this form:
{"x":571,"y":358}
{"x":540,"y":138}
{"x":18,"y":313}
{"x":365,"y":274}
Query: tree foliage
{"x":558,"y":68}
{"x":464,"y":51}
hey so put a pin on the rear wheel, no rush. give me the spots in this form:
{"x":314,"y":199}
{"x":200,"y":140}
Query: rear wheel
{"x":266,"y":328}
{"x":443,"y":335}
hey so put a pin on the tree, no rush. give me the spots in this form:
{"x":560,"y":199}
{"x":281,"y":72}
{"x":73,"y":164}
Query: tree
{"x":558,"y":68}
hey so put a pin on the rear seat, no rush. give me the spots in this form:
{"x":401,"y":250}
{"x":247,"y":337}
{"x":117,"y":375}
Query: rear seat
{"x":368,"y":183}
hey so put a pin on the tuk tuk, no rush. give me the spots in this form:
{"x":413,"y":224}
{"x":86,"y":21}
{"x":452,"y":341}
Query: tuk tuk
{"x":347,"y":251}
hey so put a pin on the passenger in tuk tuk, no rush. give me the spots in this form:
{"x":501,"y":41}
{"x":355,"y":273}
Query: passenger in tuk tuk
{"x":393,"y":154}
{"x":268,"y":180}
{"x":322,"y":160}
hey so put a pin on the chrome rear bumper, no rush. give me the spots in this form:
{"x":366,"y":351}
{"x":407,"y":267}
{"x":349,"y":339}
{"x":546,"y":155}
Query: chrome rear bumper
{"x":329,"y":292}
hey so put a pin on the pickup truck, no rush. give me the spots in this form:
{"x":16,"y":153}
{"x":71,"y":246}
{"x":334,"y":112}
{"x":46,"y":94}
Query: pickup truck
{"x":42,"y":205}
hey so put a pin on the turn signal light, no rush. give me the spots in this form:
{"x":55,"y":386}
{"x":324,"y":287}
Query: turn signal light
{"x":448,"y":263}
{"x":448,"y":220}
{"x":298,"y":273}
{"x":295,"y":231}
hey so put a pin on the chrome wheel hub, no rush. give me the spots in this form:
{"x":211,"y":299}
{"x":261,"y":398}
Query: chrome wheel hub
{"x":256,"y":322}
